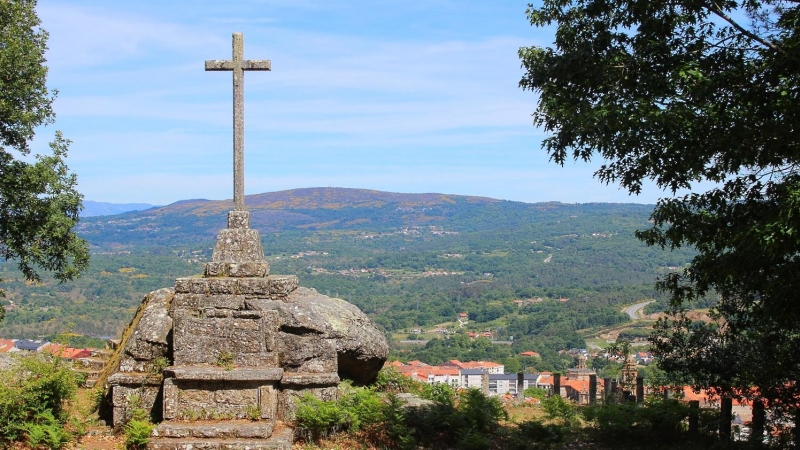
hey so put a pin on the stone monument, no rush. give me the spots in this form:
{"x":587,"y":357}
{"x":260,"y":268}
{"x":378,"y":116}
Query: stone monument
{"x":219,"y":361}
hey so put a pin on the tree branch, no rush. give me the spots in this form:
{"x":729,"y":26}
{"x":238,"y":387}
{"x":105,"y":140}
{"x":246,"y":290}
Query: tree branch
{"x":716,"y":10}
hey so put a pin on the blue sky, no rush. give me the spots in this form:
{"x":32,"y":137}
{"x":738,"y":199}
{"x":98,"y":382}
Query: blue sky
{"x":396,"y":96}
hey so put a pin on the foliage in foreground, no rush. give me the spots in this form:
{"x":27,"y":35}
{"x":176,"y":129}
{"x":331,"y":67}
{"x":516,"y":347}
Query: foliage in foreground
{"x":33,"y":393}
{"x":703,"y":97}
{"x":39,"y":203}
{"x":464,"y":420}
{"x":377,"y":418}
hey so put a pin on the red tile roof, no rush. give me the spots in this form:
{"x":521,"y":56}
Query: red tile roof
{"x":66,"y":352}
{"x":705,"y":398}
{"x":6,"y":345}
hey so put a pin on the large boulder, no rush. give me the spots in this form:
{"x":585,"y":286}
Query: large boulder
{"x":151,"y":338}
{"x":313,"y":327}
{"x":361,"y":348}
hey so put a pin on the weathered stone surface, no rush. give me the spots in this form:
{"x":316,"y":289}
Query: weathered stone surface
{"x":134,"y":379}
{"x":272,"y":287}
{"x":184,"y":301}
{"x":268,"y":401}
{"x":126,"y":398}
{"x":282,"y":285}
{"x":194,"y":400}
{"x":185,"y":285}
{"x":295,"y":379}
{"x":238,"y":245}
{"x":171,"y":400}
{"x":224,"y":301}
{"x":203,"y":400}
{"x":206,"y":340}
{"x":413,"y":401}
{"x":221,"y":374}
{"x":248,"y":338}
{"x":360,"y":346}
{"x":231,"y":269}
{"x":238,"y":219}
{"x":150,"y":336}
{"x":150,"y":339}
{"x":306,"y":353}
{"x":215,"y":429}
{"x":281,"y":440}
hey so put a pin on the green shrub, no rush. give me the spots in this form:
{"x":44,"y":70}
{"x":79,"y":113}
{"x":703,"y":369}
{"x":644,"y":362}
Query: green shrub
{"x":536,"y":431}
{"x":472,"y":439}
{"x":469,"y":424}
{"x":137,"y":433}
{"x":356,"y":408}
{"x":481,"y":413}
{"x":161,"y":363}
{"x":394,"y":424}
{"x":390,"y":380}
{"x":46,"y":431}
{"x":253,"y":412}
{"x":316,"y":419}
{"x":439,"y":393}
{"x":431,"y":424}
{"x":225,"y":360}
{"x":558,"y":409}
{"x":362,"y":407}
{"x":34,"y":385}
{"x":535,"y":392}
{"x":468,"y":421}
{"x":661,"y":421}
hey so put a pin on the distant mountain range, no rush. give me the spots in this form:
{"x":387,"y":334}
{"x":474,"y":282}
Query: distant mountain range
{"x":189,"y":222}
{"x":91,"y":209}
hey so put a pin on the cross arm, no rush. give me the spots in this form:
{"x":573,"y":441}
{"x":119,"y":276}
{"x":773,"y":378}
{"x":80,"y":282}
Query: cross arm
{"x":257,"y":64}
{"x":219,"y":64}
{"x":253,"y":64}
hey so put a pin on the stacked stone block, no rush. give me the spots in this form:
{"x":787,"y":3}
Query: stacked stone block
{"x":137,"y":381}
{"x":220,"y":360}
{"x":232,"y":353}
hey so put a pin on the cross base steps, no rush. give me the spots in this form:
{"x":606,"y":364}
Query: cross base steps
{"x":281,"y":439}
{"x":215,"y":429}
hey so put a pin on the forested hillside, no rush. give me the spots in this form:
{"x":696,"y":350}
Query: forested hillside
{"x":408,"y":260}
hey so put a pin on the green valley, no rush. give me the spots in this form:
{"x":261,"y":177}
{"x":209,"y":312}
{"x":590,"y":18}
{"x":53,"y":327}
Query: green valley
{"x":407,"y":260}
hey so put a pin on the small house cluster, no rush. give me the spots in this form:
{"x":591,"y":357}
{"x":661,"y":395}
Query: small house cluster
{"x":26,"y":345}
{"x":491,"y":378}
{"x":89,"y":361}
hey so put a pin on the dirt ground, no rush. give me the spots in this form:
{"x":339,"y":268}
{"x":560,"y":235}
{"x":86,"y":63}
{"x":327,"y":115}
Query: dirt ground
{"x":98,"y":442}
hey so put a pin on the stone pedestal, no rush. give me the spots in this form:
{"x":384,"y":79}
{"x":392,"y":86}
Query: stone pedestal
{"x":232,"y":353}
{"x":220,"y":360}
{"x":131,"y":391}
{"x":213,"y":393}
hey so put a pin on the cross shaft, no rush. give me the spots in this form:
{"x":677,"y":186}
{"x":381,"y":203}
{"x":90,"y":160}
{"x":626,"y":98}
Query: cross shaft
{"x":238,"y":65}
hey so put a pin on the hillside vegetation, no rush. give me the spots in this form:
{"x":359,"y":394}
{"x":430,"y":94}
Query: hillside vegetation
{"x":408,"y":260}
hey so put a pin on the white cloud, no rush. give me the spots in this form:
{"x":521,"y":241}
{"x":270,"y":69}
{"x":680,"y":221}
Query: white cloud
{"x":403,"y":111}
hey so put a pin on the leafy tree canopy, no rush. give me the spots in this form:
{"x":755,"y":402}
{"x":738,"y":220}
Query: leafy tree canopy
{"x":39,"y":205}
{"x":682,"y":93}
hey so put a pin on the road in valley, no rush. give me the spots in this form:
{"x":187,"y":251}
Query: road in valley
{"x":634,"y":311}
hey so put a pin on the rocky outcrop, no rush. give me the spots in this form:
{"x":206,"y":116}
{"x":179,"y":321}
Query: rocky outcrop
{"x":320,"y":321}
{"x":152,"y":338}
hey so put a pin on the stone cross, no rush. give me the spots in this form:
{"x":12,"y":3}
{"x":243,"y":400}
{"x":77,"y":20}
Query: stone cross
{"x":238,"y":65}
